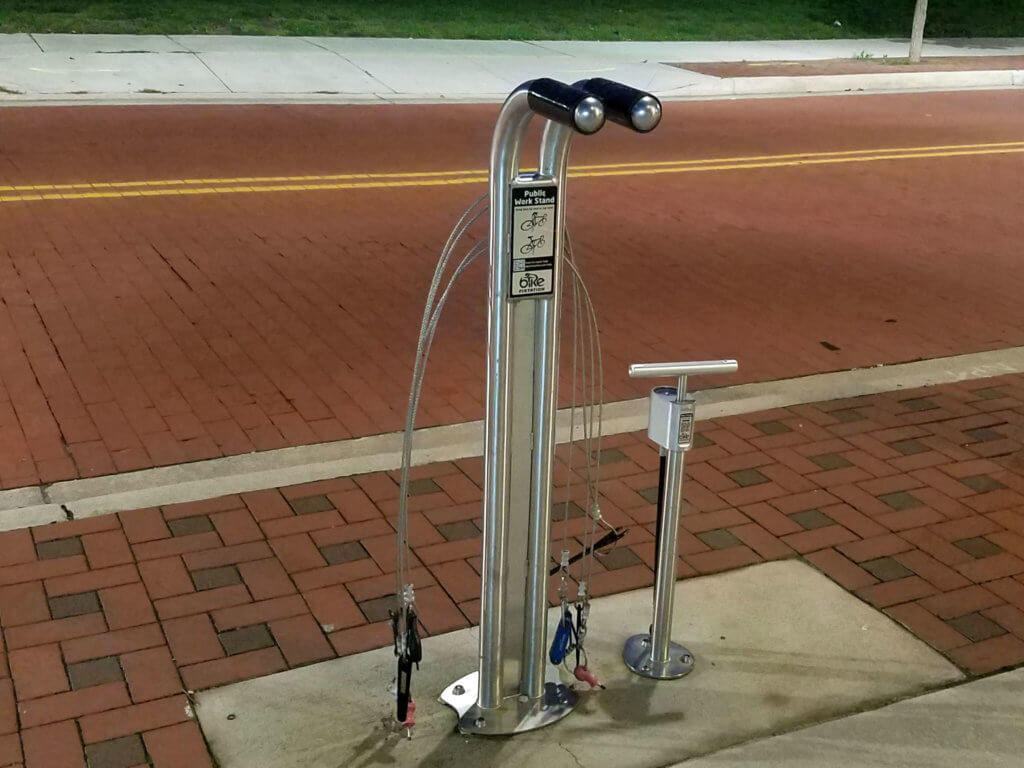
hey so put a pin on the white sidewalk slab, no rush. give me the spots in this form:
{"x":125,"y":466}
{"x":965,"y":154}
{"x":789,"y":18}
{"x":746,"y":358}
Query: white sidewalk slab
{"x":979,"y":724}
{"x":777,"y":646}
{"x":61,"y":68}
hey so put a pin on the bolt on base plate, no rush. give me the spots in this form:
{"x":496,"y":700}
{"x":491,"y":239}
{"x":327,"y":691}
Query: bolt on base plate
{"x":515,"y":715}
{"x":637,"y":655}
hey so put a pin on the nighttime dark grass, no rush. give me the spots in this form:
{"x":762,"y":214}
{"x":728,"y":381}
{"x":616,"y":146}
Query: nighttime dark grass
{"x":594,"y":20}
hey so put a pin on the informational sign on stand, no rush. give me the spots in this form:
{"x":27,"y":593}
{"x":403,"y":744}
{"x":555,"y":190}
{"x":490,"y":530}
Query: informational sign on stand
{"x":533,"y":240}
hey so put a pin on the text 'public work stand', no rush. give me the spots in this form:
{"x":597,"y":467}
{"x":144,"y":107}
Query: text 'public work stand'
{"x":671,"y":426}
{"x":511,"y":690}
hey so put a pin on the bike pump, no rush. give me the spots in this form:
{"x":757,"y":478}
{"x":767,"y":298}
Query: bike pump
{"x":514,"y":689}
{"x":671,"y":426}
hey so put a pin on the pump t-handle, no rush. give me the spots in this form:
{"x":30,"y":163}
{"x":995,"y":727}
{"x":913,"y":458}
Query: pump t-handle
{"x":565,"y":104}
{"x":626,"y":106}
{"x":681,"y":371}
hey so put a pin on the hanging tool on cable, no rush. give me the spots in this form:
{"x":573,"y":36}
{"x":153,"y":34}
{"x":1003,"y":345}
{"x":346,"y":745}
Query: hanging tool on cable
{"x":587,"y":402}
{"x":404,"y":617}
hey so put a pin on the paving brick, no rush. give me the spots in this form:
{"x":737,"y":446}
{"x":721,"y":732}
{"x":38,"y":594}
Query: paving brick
{"x":16,"y":547}
{"x":66,"y":606}
{"x":267,"y":504}
{"x":991,"y":568}
{"x":297,"y":553}
{"x":209,"y":674}
{"x":246,"y":639}
{"x":301,"y":640}
{"x":8,"y":709}
{"x":893,"y":592}
{"x":43,"y":569}
{"x":287,"y":526}
{"x":214,"y":578}
{"x":1011,"y":590}
{"x":125,"y":752}
{"x":886,"y":569}
{"x":151,"y":674}
{"x":819,"y":538}
{"x":177,"y":746}
{"x":201,"y":602}
{"x":192,"y":639}
{"x":53,"y":746}
{"x":144,"y":525}
{"x":135,"y":718}
{"x":362,"y":638}
{"x":976,"y":627}
{"x":75,"y":528}
{"x":990,"y":655}
{"x":54,"y":631}
{"x":812,"y":519}
{"x":333,"y":608}
{"x":106,"y":549}
{"x":85,"y":674}
{"x":961,"y":601}
{"x":459,"y":580}
{"x":840,"y":569}
{"x":977,"y":547}
{"x":233,"y":555}
{"x":362,"y":530}
{"x":202,"y":507}
{"x":165,"y":577}
{"x":23,"y":604}
{"x":236,"y":526}
{"x":126,"y":606}
{"x":937,"y":633}
{"x":37,"y":671}
{"x":111,"y":643}
{"x":64,"y":706}
{"x":714,"y":561}
{"x":92,"y":580}
{"x":931,"y":570}
{"x":335,"y":574}
{"x":1008,"y":617}
{"x":190,"y":526}
{"x":258,"y":612}
{"x":180,"y":545}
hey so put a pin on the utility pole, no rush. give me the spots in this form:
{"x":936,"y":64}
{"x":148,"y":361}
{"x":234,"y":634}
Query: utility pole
{"x":917,"y":31}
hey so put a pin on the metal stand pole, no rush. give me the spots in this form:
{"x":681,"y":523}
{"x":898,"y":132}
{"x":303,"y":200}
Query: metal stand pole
{"x":671,"y":423}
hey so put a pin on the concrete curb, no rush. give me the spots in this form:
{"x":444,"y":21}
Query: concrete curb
{"x":724,"y":88}
{"x":288,"y":466}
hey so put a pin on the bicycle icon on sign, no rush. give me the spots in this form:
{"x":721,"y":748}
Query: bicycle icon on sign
{"x":536,"y":219}
{"x":533,"y":245}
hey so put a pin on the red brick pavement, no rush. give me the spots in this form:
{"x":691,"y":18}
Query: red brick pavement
{"x":913,"y":501}
{"x":152,"y":331}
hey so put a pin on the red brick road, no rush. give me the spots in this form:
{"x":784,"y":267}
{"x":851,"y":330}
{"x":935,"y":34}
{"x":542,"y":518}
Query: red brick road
{"x":152,"y":331}
{"x":913,"y":501}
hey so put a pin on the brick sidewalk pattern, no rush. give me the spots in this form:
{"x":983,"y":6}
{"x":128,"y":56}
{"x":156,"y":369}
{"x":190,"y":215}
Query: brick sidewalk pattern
{"x":913,"y":501}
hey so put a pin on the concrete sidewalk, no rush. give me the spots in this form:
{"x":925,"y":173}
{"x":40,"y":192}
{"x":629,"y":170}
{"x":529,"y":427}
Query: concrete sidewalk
{"x":52,"y":68}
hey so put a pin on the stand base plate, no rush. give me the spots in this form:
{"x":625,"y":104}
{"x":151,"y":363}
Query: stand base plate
{"x":637,"y":655}
{"x":515,"y":715}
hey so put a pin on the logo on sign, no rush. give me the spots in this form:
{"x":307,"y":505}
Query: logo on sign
{"x":530,"y":280}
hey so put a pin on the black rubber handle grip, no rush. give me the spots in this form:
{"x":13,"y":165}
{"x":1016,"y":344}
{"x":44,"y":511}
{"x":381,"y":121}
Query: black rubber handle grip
{"x":562,"y":103}
{"x":622,"y":104}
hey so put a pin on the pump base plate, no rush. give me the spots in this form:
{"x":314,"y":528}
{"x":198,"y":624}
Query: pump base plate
{"x":515,"y":715}
{"x":637,"y":655}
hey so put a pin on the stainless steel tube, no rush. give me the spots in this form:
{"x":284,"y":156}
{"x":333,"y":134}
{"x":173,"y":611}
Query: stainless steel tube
{"x":553,"y":162}
{"x":505,"y":150}
{"x":668,"y":552}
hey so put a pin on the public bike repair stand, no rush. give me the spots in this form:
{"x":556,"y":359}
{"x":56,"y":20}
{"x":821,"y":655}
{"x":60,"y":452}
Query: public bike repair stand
{"x":671,"y":427}
{"x":514,"y":689}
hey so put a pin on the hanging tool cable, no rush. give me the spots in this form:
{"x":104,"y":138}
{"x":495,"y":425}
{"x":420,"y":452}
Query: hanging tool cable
{"x":404,"y":618}
{"x":587,"y":399}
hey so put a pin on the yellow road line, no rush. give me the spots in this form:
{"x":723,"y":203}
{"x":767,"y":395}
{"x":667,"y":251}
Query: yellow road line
{"x":483,"y":171}
{"x":440,"y":178}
